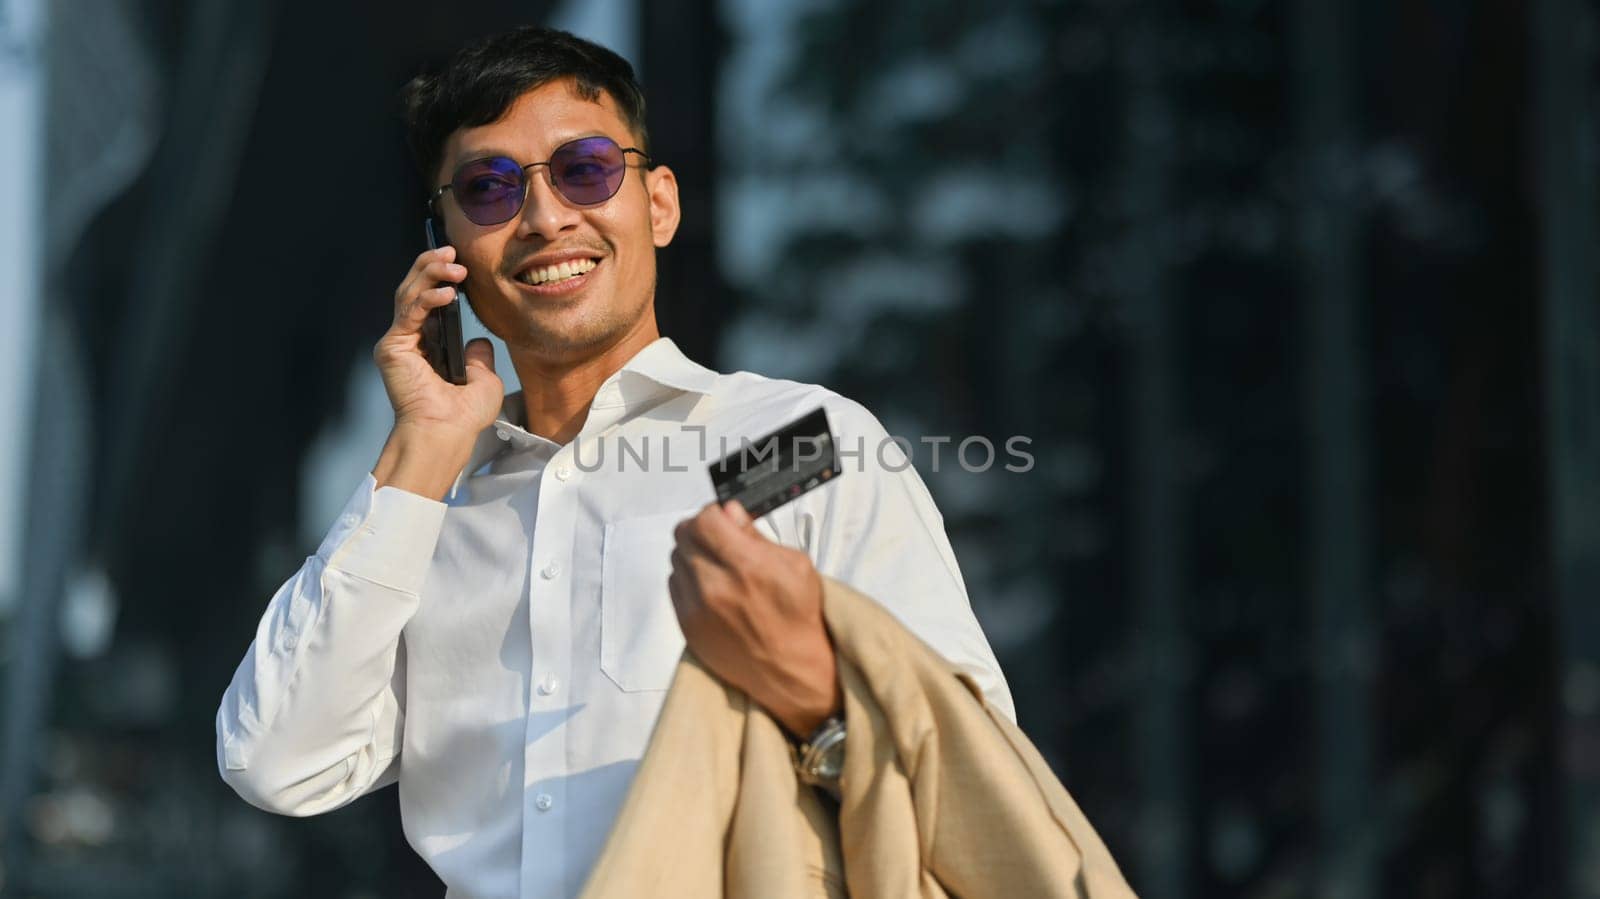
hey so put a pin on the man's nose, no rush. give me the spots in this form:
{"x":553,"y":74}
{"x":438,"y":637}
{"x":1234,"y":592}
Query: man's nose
{"x":544,"y":212}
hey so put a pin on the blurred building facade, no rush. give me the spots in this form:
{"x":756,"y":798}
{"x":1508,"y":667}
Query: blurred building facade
{"x":1294,"y":304}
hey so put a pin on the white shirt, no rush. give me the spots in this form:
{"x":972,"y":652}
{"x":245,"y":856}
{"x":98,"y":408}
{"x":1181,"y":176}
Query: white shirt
{"x":504,"y":654}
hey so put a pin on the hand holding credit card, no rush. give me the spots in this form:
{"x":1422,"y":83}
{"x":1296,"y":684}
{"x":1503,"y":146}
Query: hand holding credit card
{"x":788,"y":463}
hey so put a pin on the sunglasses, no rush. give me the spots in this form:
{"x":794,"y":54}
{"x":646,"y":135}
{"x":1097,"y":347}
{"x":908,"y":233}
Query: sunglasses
{"x":587,"y":172}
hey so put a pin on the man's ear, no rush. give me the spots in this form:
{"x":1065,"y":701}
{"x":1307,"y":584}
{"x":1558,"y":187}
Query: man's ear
{"x":664,"y":212}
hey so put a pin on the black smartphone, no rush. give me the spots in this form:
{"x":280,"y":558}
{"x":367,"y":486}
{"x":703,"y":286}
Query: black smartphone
{"x":441,"y":331}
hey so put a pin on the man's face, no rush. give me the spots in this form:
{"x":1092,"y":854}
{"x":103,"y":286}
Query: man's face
{"x":563,"y":320}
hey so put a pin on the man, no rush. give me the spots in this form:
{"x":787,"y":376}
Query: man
{"x":495,"y":618}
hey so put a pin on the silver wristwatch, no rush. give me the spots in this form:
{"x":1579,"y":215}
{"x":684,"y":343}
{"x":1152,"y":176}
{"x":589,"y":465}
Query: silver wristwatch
{"x":820,"y":759}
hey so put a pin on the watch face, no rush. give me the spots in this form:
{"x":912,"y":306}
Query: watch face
{"x":831,"y":764}
{"x":823,"y":761}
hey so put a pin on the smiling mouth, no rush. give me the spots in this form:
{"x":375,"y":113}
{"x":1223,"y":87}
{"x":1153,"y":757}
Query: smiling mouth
{"x":551,"y":275}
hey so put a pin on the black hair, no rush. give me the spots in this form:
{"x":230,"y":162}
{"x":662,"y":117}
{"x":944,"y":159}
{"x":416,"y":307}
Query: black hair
{"x":481,"y":81}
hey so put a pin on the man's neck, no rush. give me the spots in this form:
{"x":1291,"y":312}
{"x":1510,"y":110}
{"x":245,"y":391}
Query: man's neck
{"x":556,"y":395}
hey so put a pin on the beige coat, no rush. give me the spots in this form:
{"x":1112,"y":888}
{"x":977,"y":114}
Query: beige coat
{"x":942,"y":796}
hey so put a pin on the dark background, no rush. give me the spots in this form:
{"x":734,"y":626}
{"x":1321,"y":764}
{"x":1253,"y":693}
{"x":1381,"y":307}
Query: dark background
{"x":1296,"y":301}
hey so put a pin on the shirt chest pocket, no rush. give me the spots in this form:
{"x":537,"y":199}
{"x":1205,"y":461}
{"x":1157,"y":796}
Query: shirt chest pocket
{"x":639,"y":637}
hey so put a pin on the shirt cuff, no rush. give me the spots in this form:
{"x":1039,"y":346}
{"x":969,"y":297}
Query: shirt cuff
{"x":385,"y":535}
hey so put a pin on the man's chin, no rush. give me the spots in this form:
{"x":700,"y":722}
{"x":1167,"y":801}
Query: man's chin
{"x":561,"y":337}
{"x":560,"y":330}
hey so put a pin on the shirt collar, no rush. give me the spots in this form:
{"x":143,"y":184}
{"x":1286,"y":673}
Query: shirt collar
{"x":662,"y":362}
{"x":659,"y":364}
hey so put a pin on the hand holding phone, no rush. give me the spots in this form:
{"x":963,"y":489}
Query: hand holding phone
{"x":436,"y":422}
{"x":441,"y":331}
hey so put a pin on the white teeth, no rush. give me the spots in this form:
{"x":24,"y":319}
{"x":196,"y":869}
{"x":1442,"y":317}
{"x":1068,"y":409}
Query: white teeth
{"x":559,"y":272}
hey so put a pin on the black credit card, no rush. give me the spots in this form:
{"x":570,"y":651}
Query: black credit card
{"x":788,"y":463}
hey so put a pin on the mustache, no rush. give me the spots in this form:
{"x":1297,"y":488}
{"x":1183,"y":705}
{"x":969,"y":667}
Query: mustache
{"x":598,"y":248}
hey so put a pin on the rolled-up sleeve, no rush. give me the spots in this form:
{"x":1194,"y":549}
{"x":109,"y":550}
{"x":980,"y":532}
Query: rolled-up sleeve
{"x":314,"y":714}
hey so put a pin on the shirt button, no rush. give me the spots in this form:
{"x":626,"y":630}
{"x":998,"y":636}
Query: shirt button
{"x":563,"y":472}
{"x":502,"y":433}
{"x":290,"y":641}
{"x":543,"y":802}
{"x":551,"y":571}
{"x":548,"y":684}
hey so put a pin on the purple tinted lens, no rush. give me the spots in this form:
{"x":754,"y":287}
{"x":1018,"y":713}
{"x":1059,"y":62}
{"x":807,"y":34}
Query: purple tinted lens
{"x":589,"y":170}
{"x":489,"y":190}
